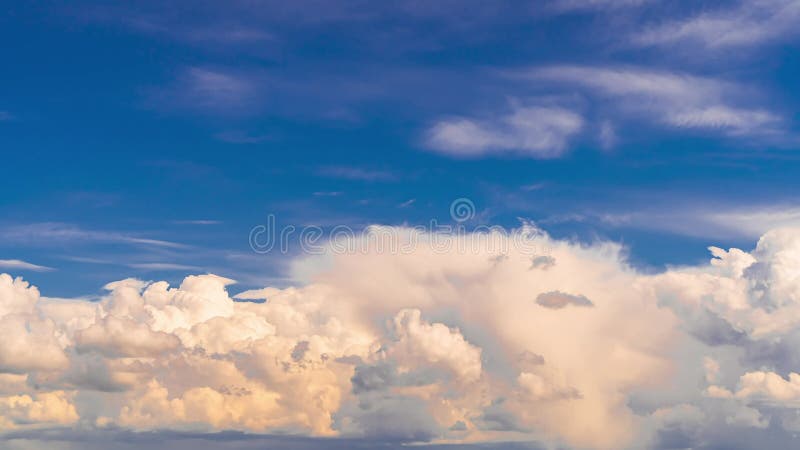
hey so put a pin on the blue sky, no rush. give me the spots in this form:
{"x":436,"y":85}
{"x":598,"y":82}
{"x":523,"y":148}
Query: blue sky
{"x":189,"y":122}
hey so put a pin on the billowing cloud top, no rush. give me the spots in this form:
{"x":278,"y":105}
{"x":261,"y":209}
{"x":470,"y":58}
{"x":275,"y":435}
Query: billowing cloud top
{"x":428,"y":345}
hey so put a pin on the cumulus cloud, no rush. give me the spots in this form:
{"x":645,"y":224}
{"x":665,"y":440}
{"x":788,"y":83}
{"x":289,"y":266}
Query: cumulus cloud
{"x":429,"y":345}
{"x":763,"y":385}
{"x":48,"y":408}
{"x":345,"y":356}
{"x":533,"y":131}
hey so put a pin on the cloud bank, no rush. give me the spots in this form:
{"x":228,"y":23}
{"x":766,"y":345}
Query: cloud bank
{"x":569,"y":347}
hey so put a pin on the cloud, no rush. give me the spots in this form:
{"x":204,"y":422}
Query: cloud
{"x":216,"y":88}
{"x":543,"y":262}
{"x":239,"y":137}
{"x":49,"y":408}
{"x":764,"y":386}
{"x":356,"y":173}
{"x":162,"y":266}
{"x":53,"y":233}
{"x":748,"y":24}
{"x":197,"y":222}
{"x":431,"y":345}
{"x":211,"y":90}
{"x":22,"y":265}
{"x":119,"y":439}
{"x":669,"y":99}
{"x":590,"y":5}
{"x":399,"y":352}
{"x":532,"y":131}
{"x":697,"y":220}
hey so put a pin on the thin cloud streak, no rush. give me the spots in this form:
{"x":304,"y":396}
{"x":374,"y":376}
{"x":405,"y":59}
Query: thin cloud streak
{"x":750,"y":24}
{"x":17,"y":264}
{"x":163,"y":266}
{"x":356,"y":173}
{"x":669,"y":99}
{"x":49,"y":233}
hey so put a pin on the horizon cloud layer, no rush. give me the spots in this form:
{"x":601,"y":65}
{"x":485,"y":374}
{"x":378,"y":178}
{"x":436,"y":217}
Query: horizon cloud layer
{"x":442,"y":347}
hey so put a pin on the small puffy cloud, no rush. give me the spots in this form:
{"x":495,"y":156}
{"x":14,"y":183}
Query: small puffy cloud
{"x":770,"y":386}
{"x":46,"y":408}
{"x":531,"y":131}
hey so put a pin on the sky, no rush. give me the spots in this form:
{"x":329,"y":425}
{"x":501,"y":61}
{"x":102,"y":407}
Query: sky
{"x":643,"y":151}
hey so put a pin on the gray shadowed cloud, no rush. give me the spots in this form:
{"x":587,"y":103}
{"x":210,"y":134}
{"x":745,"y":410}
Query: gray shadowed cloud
{"x":118,"y":439}
{"x":558,"y":300}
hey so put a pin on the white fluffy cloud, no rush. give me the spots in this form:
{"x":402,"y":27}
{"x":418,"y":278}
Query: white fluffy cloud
{"x":455,"y":346}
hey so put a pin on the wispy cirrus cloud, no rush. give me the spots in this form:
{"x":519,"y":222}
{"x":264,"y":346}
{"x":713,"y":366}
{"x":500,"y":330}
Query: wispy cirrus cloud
{"x":699,"y":220}
{"x":356,"y":173}
{"x":669,"y":99}
{"x":532,"y":131}
{"x":590,"y":5}
{"x":749,"y":23}
{"x":160,"y":266}
{"x":327,"y":193}
{"x":16,"y":264}
{"x":240,"y":137}
{"x":210,"y":90}
{"x":49,"y":233}
{"x":217,"y":88}
{"x":197,"y":222}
